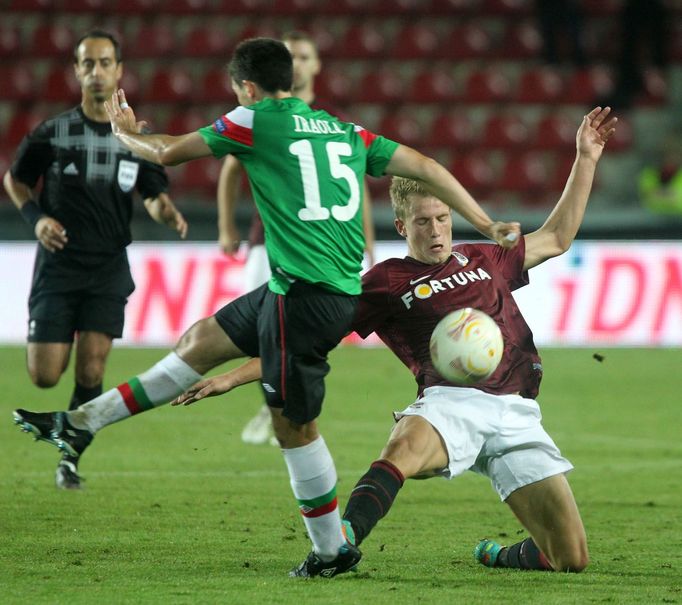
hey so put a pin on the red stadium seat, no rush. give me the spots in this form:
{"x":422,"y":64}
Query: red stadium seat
{"x":31,"y":5}
{"x":454,"y":130}
{"x":622,"y":140}
{"x":556,"y":131}
{"x":527,"y":172}
{"x":403,"y":127}
{"x":298,"y":7}
{"x":130,"y":83}
{"x":187,"y":7}
{"x":433,"y":86}
{"x":10,"y":41}
{"x":169,"y":86}
{"x":459,"y":8}
{"x":655,"y":88}
{"x":155,"y":115}
{"x":586,"y":85}
{"x":468,"y":41}
{"x":476,"y":172}
{"x":215,"y":87}
{"x":207,"y":41}
{"x":510,"y":8}
{"x":61,"y":85}
{"x":187,"y":120}
{"x":19,"y":83}
{"x":505,"y":132}
{"x":416,"y":41}
{"x":385,"y":86}
{"x":362,"y":41}
{"x":562,"y":168}
{"x":602,"y":7}
{"x":521,"y":41}
{"x":154,"y":41}
{"x":400,"y":8}
{"x":540,"y":85}
{"x":53,"y":40}
{"x":21,"y":123}
{"x":84,"y":6}
{"x":334,"y":83}
{"x":487,"y":86}
{"x":259,"y":27}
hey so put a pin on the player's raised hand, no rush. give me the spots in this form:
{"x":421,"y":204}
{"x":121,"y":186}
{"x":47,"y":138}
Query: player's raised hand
{"x":594,"y":132}
{"x":121,"y":115}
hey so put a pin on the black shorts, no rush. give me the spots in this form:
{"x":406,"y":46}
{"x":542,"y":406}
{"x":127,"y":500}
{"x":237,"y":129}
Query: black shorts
{"x":67,"y":298}
{"x":292,"y":334}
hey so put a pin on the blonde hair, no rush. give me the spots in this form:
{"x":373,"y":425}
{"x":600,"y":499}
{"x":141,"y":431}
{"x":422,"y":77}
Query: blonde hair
{"x":400,"y":191}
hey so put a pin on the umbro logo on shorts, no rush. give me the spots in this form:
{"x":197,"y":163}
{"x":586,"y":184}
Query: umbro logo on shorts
{"x":71,"y":170}
{"x":268,"y":388}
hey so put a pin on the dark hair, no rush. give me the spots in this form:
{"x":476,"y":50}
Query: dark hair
{"x":265,"y":61}
{"x":99,"y":33}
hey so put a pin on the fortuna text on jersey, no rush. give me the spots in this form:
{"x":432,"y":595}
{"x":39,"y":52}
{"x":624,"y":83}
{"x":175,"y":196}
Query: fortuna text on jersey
{"x":427,"y":289}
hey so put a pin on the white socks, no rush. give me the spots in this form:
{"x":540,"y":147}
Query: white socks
{"x":313,"y":480}
{"x":162,"y":383}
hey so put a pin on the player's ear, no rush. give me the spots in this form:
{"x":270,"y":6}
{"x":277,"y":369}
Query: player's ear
{"x":400,"y":227}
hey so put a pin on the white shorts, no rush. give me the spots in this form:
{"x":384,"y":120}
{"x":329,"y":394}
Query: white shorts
{"x":256,"y":268}
{"x":498,"y":436}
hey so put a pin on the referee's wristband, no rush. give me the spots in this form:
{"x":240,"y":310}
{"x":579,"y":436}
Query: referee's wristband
{"x":31,"y":212}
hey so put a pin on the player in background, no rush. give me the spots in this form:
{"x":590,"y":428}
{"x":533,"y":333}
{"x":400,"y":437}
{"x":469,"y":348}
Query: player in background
{"x":492,"y":428}
{"x":81,"y":278}
{"x":307,"y":65}
{"x":305,"y":169}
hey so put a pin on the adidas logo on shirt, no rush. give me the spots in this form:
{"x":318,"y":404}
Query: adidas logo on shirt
{"x":71,"y":169}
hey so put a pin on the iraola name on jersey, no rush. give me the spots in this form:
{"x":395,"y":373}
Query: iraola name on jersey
{"x":315,"y":126}
{"x":425,"y":289}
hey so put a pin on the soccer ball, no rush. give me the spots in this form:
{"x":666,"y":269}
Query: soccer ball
{"x":466,"y":346}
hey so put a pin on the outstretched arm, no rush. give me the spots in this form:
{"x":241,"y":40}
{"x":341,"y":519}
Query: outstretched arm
{"x":161,"y":149}
{"x":559,"y":230}
{"x":409,"y":163}
{"x":217,"y":385}
{"x":228,"y":191}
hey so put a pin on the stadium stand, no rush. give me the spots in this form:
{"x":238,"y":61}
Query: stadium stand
{"x":461,"y":79}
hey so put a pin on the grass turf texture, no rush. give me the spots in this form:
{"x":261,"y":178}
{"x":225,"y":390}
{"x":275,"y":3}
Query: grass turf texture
{"x":177,"y":510}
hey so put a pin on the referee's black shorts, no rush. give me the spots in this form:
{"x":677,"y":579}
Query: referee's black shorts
{"x":67,"y":298}
{"x":292,"y":334}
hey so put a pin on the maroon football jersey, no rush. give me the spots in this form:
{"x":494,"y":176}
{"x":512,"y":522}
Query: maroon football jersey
{"x":403,"y":299}
{"x":257,"y":231}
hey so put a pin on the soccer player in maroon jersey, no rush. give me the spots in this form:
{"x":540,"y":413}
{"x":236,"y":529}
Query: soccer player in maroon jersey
{"x":494,"y":427}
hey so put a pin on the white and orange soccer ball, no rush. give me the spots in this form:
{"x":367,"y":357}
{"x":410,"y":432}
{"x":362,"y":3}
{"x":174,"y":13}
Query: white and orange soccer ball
{"x":466,"y":346}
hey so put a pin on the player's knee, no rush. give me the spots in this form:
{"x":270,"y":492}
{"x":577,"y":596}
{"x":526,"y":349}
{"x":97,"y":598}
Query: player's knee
{"x":44,"y":379}
{"x":400,"y":453}
{"x":575,"y":560}
{"x":91,"y":373}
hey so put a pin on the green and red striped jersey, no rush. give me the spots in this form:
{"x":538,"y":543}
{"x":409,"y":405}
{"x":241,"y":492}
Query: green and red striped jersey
{"x":306,"y":169}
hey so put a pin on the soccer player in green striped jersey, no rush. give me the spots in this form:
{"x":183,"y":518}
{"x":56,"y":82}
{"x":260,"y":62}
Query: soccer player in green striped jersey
{"x":305,"y":168}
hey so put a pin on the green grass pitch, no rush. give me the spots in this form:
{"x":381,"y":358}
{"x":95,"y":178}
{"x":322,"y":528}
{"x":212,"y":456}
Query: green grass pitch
{"x":177,"y":510}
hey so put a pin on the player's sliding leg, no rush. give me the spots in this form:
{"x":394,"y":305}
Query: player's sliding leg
{"x":204,"y":346}
{"x":414,"y":449}
{"x":548,"y":510}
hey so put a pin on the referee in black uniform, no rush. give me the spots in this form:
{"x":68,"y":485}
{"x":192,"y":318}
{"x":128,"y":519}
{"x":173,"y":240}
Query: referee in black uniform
{"x":81,"y":278}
